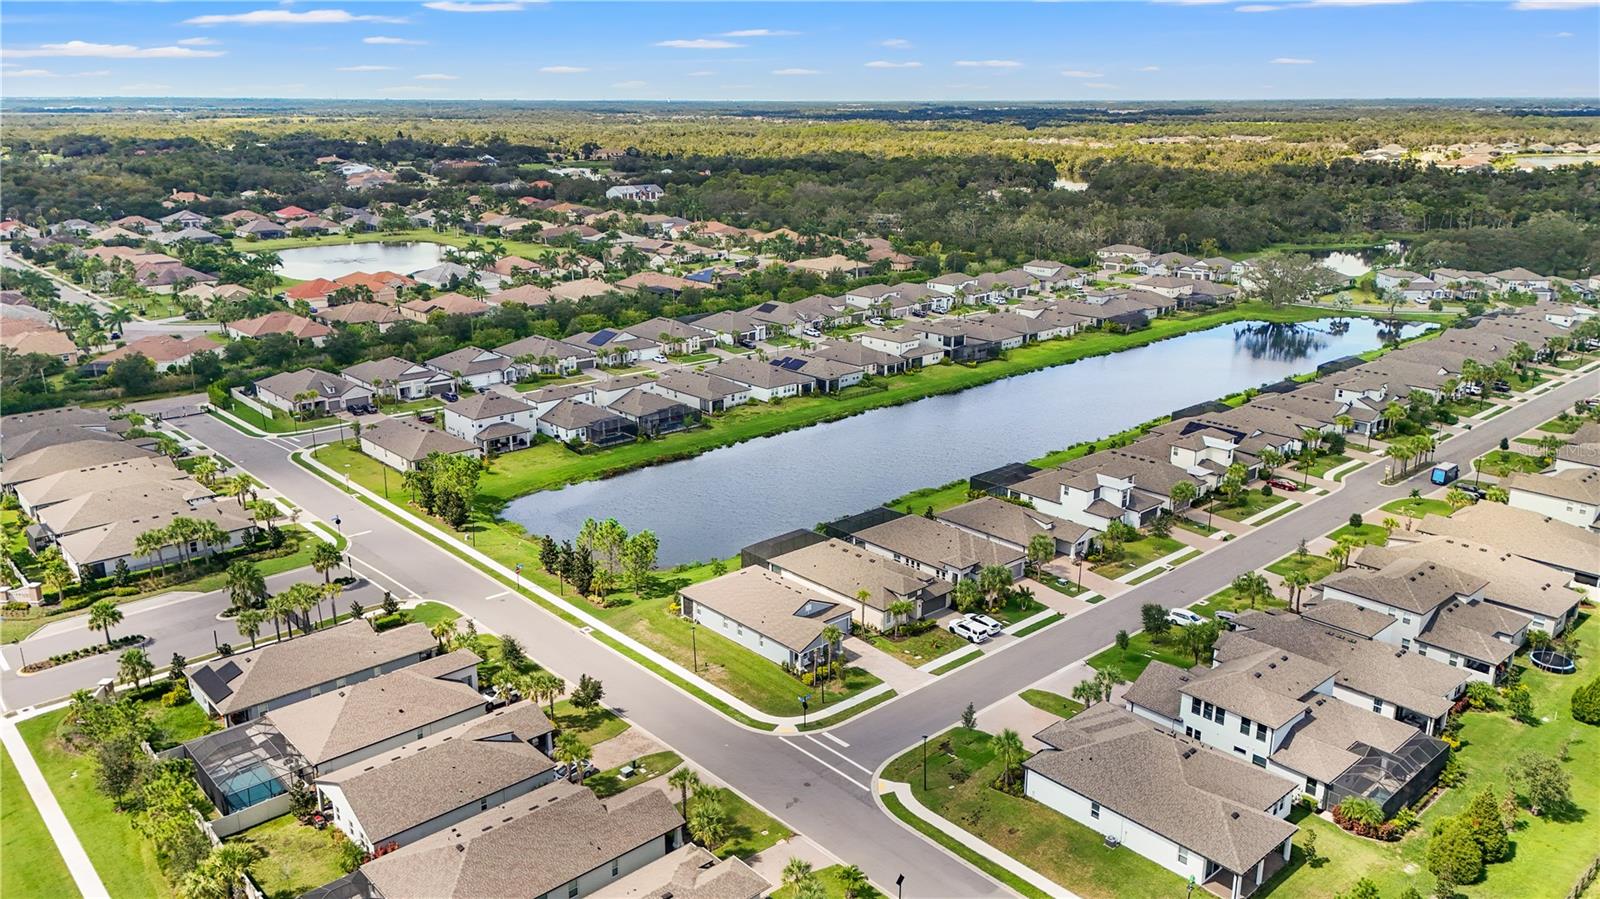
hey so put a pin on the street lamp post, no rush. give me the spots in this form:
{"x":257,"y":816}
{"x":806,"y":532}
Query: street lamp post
{"x":518,"y":570}
{"x":924,"y":763}
{"x":694,"y":647}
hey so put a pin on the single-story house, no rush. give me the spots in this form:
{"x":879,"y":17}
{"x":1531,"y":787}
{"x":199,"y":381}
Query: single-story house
{"x":939,"y":549}
{"x":401,"y":443}
{"x":298,"y":327}
{"x":570,"y":420}
{"x":772,"y":616}
{"x":310,"y":390}
{"x":652,"y":413}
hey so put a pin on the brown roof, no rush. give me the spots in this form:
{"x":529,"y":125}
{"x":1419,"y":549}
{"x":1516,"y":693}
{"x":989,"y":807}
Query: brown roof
{"x":769,"y":604}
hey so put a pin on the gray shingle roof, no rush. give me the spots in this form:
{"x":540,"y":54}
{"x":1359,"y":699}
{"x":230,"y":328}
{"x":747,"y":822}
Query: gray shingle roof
{"x":411,"y":441}
{"x":275,"y":671}
{"x":768,"y":604}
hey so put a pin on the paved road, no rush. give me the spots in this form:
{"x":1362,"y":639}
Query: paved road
{"x":820,"y":784}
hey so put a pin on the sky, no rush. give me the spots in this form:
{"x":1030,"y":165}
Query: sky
{"x":885,"y":51}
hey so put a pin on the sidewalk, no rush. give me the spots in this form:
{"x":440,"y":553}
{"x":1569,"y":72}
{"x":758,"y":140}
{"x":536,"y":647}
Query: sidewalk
{"x":971,"y":841}
{"x":61,"y":832}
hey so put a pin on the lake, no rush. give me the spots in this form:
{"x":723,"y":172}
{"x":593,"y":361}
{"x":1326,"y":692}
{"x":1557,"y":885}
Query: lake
{"x":335,"y":260}
{"x":715,"y":503}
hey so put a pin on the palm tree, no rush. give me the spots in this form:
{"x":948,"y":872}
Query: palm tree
{"x":57,"y":573}
{"x":1086,"y":692}
{"x":304,"y":598}
{"x":685,"y":779}
{"x":1497,"y":495}
{"x":325,"y":557}
{"x":331,"y":592}
{"x":1009,"y":752}
{"x":152,"y":542}
{"x":572,"y":752}
{"x":708,"y":819}
{"x":832,"y":636}
{"x":246,"y":586}
{"x":1458,"y":499}
{"x":1253,"y":586}
{"x":544,"y":686}
{"x":443,"y":630}
{"x":103,"y":615}
{"x":1296,"y":581}
{"x":280,"y":606}
{"x":899,"y":611}
{"x":205,"y":469}
{"x":796,"y":870}
{"x":854,"y":881}
{"x":249,"y":622}
{"x":133,"y":666}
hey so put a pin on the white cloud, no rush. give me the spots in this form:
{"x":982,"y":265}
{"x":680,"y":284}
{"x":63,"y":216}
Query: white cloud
{"x":1149,"y":68}
{"x":787,"y":72}
{"x":1538,"y":5}
{"x":457,"y":6}
{"x":988,"y":63}
{"x":366,"y":68}
{"x":897,"y":43}
{"x":702,"y":73}
{"x":1563,"y":34}
{"x":438,"y":76}
{"x":1256,"y":7}
{"x":886,"y":64}
{"x":145,"y":87}
{"x":108,"y":51}
{"x":397,"y":41}
{"x":32,"y":73}
{"x":198,"y":42}
{"x":1079,"y":73}
{"x":759,"y":32}
{"x":1292,"y":61}
{"x":287,"y":17}
{"x":700,"y":43}
{"x":1360,"y":2}
{"x":563,"y":70}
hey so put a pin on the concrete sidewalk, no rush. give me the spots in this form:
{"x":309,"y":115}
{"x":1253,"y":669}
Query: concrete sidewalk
{"x":61,"y":832}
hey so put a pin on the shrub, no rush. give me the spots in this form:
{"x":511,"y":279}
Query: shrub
{"x":388,"y":622}
{"x":1488,"y":828}
{"x":1483,"y":696}
{"x":1454,"y":853}
{"x":1586,"y":703}
{"x":1123,"y":639}
{"x":1266,"y":489}
{"x":1454,"y":773}
{"x":1355,"y":519}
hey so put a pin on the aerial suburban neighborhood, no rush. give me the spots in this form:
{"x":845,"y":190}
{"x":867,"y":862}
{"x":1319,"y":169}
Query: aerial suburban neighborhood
{"x":581,"y":494}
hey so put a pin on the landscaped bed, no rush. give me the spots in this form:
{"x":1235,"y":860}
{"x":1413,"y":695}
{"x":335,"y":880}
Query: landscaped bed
{"x":1137,"y":554}
{"x":299,"y":857}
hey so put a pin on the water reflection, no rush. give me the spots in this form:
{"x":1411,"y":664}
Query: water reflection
{"x":715,"y":503}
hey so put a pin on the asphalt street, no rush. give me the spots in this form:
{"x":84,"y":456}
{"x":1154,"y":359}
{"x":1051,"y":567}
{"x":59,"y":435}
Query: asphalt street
{"x":819,"y":784}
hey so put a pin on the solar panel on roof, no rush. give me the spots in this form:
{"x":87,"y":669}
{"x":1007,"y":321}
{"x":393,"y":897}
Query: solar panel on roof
{"x":792,"y":364}
{"x":211,"y":685}
{"x":229,"y":671}
{"x":602,"y":337}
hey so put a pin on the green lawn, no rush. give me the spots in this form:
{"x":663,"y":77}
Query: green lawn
{"x":950,"y":666}
{"x":936,"y":498}
{"x":30,"y":863}
{"x":431,"y":613}
{"x":1368,"y":534}
{"x":1137,"y":554}
{"x":594,"y":726}
{"x":1228,"y":600}
{"x":1418,"y":507}
{"x":960,"y":773}
{"x":917,"y":649}
{"x":1500,"y":463}
{"x":125,"y":860}
{"x":280,"y":423}
{"x":1054,"y":703}
{"x":750,"y":830}
{"x":1194,"y":527}
{"x":832,"y":886}
{"x":610,"y":782}
{"x":1252,"y":502}
{"x":299,"y":857}
{"x":1565,"y":423}
{"x":1142,"y":650}
{"x":1316,"y":567}
{"x":1323,"y":464}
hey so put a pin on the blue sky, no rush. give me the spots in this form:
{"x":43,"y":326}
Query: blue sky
{"x":1084,"y":51}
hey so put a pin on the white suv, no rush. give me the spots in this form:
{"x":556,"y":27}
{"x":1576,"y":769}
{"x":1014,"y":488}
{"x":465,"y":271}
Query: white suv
{"x":987,"y":624}
{"x":969,"y":631}
{"x":1184,"y":617}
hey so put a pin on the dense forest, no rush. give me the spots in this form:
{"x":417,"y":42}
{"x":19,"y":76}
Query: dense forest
{"x":991,"y":204}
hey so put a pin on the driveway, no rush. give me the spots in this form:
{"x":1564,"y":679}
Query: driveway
{"x":897,"y":674}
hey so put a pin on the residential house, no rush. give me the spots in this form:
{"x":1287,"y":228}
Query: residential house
{"x":581,"y":289}
{"x":772,"y":616}
{"x":94,"y":552}
{"x":1054,"y":275}
{"x":573,"y":421}
{"x":656,"y":282}
{"x":1564,"y":548}
{"x":302,"y":329}
{"x":1512,"y":582}
{"x":558,"y":841}
{"x":1015,"y":526}
{"x":636,"y":193}
{"x":1571,"y":495}
{"x":733,"y":327}
{"x":546,"y":356}
{"x":866,"y":582}
{"x":249,"y":684}
{"x":401,"y":443}
{"x":612,"y":347}
{"x":1122,"y":257}
{"x":493,"y":421}
{"x":525,"y":295}
{"x":165,"y":352}
{"x":444,"y":304}
{"x":764,"y":382}
{"x":943,"y":550}
{"x":310,"y":391}
{"x":906,"y":343}
{"x":652,"y":413}
{"x":827,"y":265}
{"x":400,"y":379}
{"x":476,"y":367}
{"x":828,"y":375}
{"x":1192,"y":809}
{"x":438,"y":781}
{"x":674,"y":336}
{"x":706,"y":392}
{"x":376,"y":314}
{"x":861,"y":356}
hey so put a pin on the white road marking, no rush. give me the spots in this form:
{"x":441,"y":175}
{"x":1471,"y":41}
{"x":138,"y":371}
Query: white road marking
{"x":358,"y":534}
{"x":821,"y":745}
{"x":836,"y":739}
{"x":824,"y":764}
{"x":386,"y":576}
{"x":497,"y":595}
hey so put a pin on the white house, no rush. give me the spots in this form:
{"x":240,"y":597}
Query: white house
{"x":1571,"y":496}
{"x":475,"y":367}
{"x":491,"y":420}
{"x":310,"y":390}
{"x":398,"y":378}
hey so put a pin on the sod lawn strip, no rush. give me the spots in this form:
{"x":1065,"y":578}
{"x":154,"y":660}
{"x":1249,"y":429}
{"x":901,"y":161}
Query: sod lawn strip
{"x":30,"y":864}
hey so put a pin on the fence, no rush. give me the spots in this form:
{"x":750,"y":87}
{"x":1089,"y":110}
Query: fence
{"x":263,"y":408}
{"x":1585,"y":879}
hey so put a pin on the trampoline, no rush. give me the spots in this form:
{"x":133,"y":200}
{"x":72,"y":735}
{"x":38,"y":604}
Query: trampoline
{"x":1552,"y":661}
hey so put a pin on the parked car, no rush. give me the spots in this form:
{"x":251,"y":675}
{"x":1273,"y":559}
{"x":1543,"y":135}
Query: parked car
{"x":1472,"y":490}
{"x":1226,"y":618}
{"x":450,"y":397}
{"x":968,"y":631}
{"x":874,"y":320}
{"x":1281,"y":484}
{"x":1184,"y":617}
{"x":918,"y":313}
{"x":427,"y":417}
{"x":812,"y":332}
{"x":988,"y":624}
